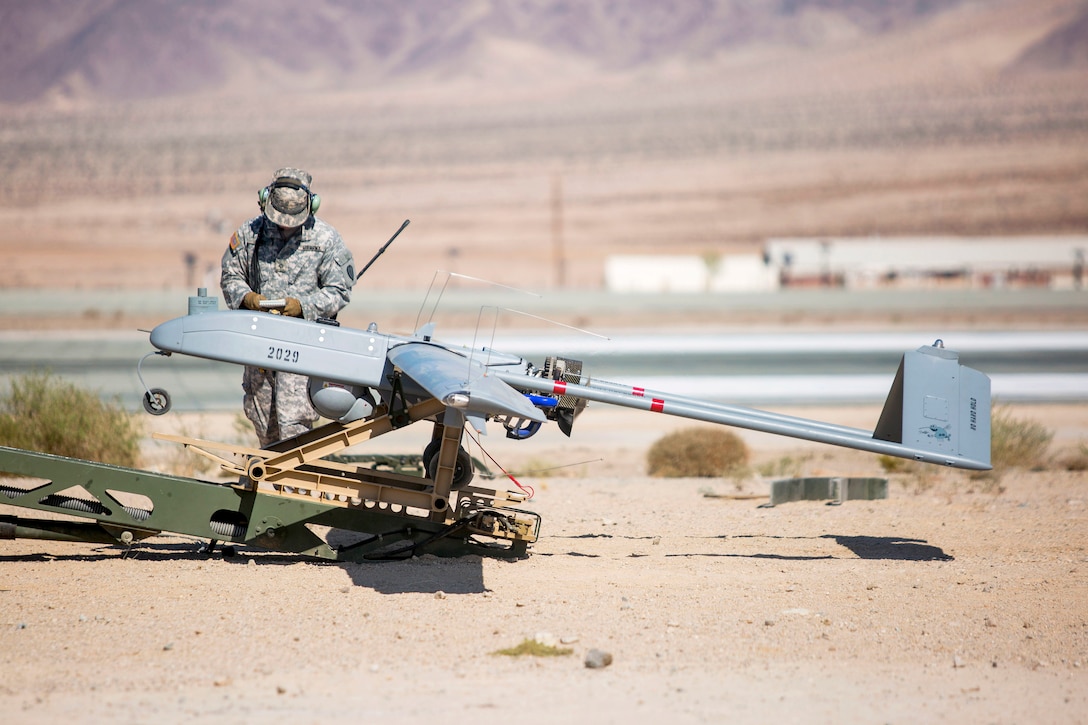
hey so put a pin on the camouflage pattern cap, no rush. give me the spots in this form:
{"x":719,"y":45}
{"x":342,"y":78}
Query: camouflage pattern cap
{"x":288,"y":202}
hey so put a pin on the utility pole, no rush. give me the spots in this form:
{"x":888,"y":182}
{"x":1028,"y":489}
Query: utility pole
{"x":558,"y":260}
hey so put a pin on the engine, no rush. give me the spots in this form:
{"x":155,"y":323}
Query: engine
{"x":563,"y":409}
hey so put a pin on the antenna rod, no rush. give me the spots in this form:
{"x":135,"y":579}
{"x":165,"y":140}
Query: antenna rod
{"x":382,"y":250}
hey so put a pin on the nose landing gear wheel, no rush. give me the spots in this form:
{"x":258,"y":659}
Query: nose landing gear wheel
{"x":157,"y":401}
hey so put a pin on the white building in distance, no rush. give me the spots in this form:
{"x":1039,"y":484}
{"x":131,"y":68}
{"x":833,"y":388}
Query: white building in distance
{"x":860,"y":263}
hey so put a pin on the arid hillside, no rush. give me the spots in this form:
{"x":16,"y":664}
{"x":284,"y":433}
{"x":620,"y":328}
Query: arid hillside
{"x":528,"y":141}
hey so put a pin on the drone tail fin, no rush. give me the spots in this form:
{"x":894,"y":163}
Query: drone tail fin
{"x":938,"y":405}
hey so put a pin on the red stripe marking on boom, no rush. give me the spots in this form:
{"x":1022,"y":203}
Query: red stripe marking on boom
{"x":560,"y":387}
{"x":638,"y":392}
{"x":657,"y":405}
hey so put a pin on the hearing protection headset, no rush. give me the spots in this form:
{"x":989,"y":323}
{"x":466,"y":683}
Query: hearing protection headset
{"x":265,"y":194}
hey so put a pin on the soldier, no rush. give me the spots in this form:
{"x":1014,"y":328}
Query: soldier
{"x":296,"y":265}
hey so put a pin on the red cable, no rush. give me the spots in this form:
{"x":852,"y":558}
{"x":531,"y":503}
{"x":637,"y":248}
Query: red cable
{"x":526,"y":488}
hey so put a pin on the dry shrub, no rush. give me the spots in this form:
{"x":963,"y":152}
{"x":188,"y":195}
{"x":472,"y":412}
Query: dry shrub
{"x":1076,"y":460}
{"x":784,"y":467}
{"x":698,"y":453}
{"x":43,"y":413}
{"x":896,"y":464}
{"x":1017,"y":442}
{"x":533,"y":648}
{"x":185,"y":462}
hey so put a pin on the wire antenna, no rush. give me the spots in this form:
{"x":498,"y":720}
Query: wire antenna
{"x":495,"y":326}
{"x":449,"y":276}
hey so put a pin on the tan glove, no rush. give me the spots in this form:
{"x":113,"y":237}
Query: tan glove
{"x":252,"y":301}
{"x":293,"y":308}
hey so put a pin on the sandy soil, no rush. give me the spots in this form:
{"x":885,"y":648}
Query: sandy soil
{"x":953,"y":599}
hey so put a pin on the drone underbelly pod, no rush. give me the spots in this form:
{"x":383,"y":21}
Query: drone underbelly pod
{"x":341,"y":402}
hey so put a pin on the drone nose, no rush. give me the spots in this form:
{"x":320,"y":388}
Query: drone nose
{"x":168,"y":335}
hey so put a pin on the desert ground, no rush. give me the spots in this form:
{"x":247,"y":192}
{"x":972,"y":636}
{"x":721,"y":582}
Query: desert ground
{"x":955,"y":598}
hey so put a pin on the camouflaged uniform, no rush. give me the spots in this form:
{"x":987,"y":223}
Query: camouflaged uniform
{"x":309,"y":263}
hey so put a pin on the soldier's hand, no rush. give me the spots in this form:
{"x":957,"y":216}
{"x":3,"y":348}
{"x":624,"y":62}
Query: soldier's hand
{"x":293,"y":308}
{"x":252,"y":301}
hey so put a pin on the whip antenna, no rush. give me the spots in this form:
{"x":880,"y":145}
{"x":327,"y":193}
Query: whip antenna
{"x":382,"y":250}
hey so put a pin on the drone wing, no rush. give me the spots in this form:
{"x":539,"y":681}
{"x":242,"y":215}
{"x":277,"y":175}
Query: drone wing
{"x":460,"y":382}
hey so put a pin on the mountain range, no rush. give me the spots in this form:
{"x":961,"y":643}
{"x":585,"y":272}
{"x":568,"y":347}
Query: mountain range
{"x":129,"y":50}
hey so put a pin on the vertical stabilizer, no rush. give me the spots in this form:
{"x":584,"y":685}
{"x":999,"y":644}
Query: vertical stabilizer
{"x":936,"y":404}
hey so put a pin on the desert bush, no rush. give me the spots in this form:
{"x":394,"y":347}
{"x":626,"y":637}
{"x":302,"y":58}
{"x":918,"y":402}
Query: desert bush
{"x":784,"y":466}
{"x":184,"y":461}
{"x":540,"y":468}
{"x":43,"y":413}
{"x":697,"y":452}
{"x":533,"y":648}
{"x":895,"y":464}
{"x":1076,"y":460}
{"x":1017,"y":442}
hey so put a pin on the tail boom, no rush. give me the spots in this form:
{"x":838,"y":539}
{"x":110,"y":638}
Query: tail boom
{"x":938,"y":411}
